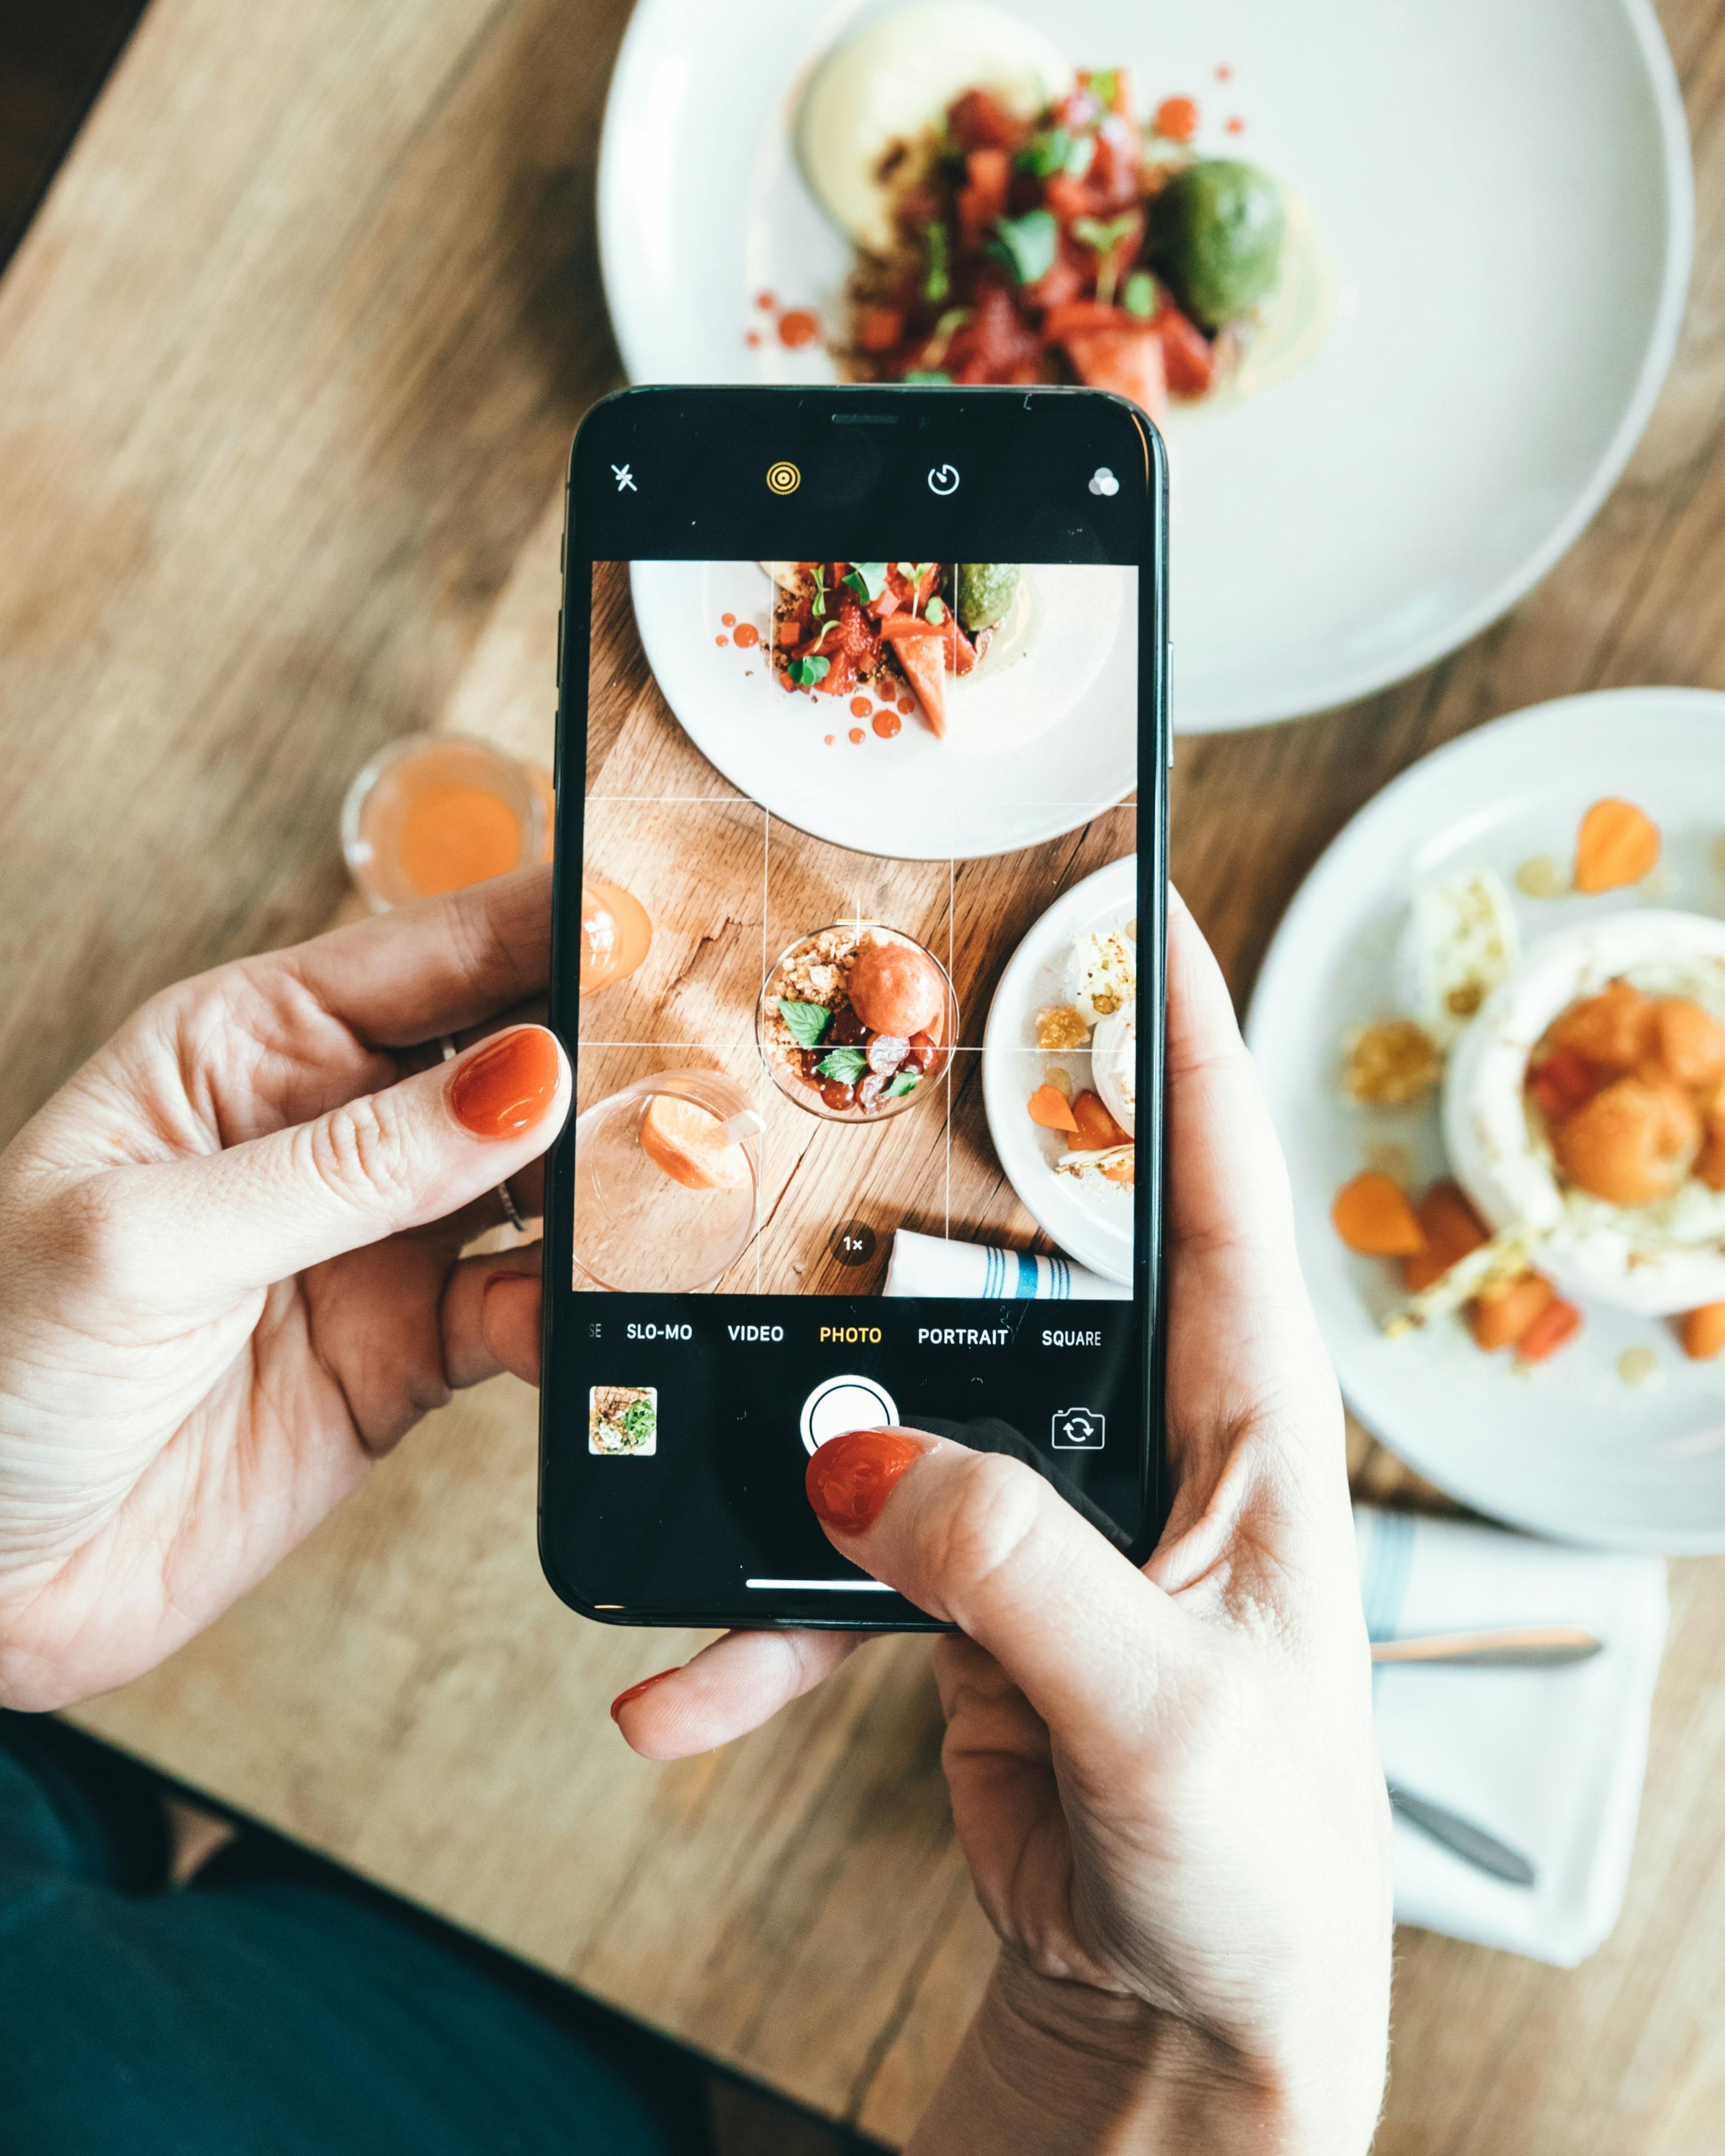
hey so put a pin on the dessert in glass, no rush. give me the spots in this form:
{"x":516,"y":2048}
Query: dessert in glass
{"x":856,"y":1022}
{"x":667,"y":1184}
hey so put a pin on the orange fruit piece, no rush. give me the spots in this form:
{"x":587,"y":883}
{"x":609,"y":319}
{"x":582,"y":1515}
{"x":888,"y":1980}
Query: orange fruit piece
{"x":1375,"y":1217}
{"x":689,"y":1143}
{"x":1702,"y":1331}
{"x":1499,"y":1321}
{"x":1096,"y":1127}
{"x":1451,"y":1228}
{"x":1049,"y":1107}
{"x":1618,"y":844}
{"x":1555,"y":1326}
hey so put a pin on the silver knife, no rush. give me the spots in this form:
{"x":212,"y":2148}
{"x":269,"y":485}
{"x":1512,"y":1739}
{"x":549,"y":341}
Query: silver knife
{"x":1465,"y":1838}
{"x":1502,"y":1646}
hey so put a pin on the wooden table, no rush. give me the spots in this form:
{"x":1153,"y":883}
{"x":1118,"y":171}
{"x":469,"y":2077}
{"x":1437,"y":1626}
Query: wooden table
{"x":288,"y":365}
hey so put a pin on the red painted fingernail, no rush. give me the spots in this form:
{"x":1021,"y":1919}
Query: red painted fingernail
{"x":852,"y":1477}
{"x":502,"y":1089}
{"x":634,"y":1691}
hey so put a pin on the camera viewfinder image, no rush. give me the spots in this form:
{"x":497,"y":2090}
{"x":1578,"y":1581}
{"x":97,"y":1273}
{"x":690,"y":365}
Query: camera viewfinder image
{"x":623,"y":1420}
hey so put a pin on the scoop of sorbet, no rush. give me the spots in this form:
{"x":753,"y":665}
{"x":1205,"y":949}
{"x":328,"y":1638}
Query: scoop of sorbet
{"x":1631,"y":1144}
{"x":895,"y":988}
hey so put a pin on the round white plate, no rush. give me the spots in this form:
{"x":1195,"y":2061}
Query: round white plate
{"x":1039,"y":738}
{"x":1504,"y":191}
{"x":1567,"y":1448}
{"x":1093,"y":1226}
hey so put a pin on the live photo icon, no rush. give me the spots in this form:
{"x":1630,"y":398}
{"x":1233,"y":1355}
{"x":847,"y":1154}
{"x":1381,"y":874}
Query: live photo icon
{"x":1079,"y":1429}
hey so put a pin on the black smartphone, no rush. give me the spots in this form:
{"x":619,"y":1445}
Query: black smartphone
{"x":858,"y":957}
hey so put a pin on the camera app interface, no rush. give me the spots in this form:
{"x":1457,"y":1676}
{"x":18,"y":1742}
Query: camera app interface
{"x":858,"y":1069}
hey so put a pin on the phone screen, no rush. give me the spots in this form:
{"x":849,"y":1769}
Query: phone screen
{"x":860,"y":968}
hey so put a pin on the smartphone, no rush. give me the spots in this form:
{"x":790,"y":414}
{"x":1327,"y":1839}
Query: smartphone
{"x":858,"y":959}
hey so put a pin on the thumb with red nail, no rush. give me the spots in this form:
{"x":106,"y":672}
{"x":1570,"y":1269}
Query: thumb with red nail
{"x":1165,"y":1781}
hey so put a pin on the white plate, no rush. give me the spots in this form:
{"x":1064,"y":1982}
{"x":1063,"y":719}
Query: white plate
{"x":1504,"y":193}
{"x":1039,"y":739}
{"x":1093,"y":1226}
{"x":1567,"y":1448}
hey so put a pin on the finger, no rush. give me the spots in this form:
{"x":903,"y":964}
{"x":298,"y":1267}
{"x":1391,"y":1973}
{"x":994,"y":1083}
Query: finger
{"x":740,"y":1680}
{"x":435,"y":967}
{"x":984,"y":1542}
{"x":1227,"y":1183}
{"x":490,"y":1317}
{"x":225,"y":1223}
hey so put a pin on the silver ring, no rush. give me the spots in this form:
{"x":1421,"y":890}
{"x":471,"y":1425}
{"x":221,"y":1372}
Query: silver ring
{"x":511,"y":1211}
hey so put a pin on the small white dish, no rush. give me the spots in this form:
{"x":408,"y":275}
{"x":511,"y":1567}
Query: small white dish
{"x":1505,"y":196}
{"x":1571,"y":1447}
{"x":1093,"y":1226}
{"x":1036,"y":744}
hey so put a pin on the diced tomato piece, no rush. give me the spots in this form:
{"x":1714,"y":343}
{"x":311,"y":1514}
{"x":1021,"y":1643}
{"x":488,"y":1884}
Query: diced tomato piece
{"x":1068,"y":198}
{"x":1127,"y":360}
{"x":981,"y":122}
{"x":920,"y":650}
{"x":1188,"y":358}
{"x":878,"y":329}
{"x":983,"y":198}
{"x":1062,"y":284}
{"x":1060,"y":322}
{"x":1555,"y":1326}
{"x":995,"y":340}
{"x":1563,"y":1082}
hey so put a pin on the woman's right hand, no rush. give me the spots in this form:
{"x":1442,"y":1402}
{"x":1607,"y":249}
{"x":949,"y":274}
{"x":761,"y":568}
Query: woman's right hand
{"x":1166,"y":1782}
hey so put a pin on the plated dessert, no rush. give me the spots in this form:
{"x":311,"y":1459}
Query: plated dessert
{"x":1086,"y":1097}
{"x":856,"y":1021}
{"x":1015,"y":222}
{"x":1583,"y":1107}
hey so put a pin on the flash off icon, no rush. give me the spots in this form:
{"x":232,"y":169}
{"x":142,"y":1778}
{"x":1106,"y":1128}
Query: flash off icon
{"x":1078,"y":1429}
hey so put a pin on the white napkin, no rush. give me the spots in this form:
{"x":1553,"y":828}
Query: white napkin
{"x":932,"y":1265}
{"x":1550,"y":1761}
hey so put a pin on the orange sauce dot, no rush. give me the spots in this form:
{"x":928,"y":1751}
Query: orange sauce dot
{"x":721,"y":639}
{"x":1176,"y":118}
{"x":748,"y":635}
{"x":1225,"y":73}
{"x":751,"y":336}
{"x":1236,"y":126}
{"x":455,"y":835}
{"x":906,"y":705}
{"x":829,"y":739}
{"x":797,"y":328}
{"x":727,"y":621}
{"x":887,"y":724}
{"x":856,"y":733}
{"x":766,"y":302}
{"x":858,"y":707}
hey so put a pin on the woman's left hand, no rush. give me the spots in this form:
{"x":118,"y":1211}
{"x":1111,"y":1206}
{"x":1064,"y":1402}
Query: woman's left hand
{"x":231,"y":1273}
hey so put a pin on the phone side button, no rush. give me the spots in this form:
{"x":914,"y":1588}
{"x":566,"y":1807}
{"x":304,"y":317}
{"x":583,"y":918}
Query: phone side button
{"x":560,"y":646}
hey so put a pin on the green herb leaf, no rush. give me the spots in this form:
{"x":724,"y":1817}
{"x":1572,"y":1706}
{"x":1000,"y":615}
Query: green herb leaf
{"x":1137,"y":294}
{"x":1027,"y":244}
{"x":846,"y":1065}
{"x":928,"y":374}
{"x":1081,"y":155}
{"x":935,"y":610}
{"x":1104,"y":237}
{"x":1102,"y":83}
{"x":819,"y":607}
{"x":905,"y":1082}
{"x":867,"y":579}
{"x":809,"y":673}
{"x":936,"y":282}
{"x":808,"y":1022}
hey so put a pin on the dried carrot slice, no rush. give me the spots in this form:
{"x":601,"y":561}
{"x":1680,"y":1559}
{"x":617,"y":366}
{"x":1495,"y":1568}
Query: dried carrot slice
{"x":1618,"y":844}
{"x":1702,"y":1331}
{"x":1499,"y":1321}
{"x":1375,"y":1217}
{"x":1452,"y":1229}
{"x":1096,"y":1128}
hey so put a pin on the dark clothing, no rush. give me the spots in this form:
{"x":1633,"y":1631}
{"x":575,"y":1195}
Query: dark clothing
{"x":275,"y":2004}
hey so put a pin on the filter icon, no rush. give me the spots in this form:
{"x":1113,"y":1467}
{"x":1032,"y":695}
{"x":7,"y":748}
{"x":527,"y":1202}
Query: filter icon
{"x":783,"y":478}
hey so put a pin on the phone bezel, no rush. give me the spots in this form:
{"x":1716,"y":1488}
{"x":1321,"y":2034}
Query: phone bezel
{"x":694,"y":418}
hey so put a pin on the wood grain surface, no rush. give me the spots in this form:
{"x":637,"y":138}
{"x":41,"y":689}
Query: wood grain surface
{"x":288,"y":366}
